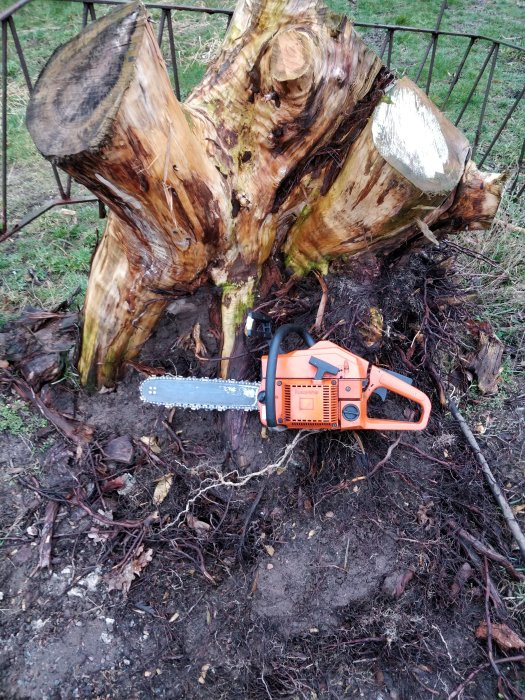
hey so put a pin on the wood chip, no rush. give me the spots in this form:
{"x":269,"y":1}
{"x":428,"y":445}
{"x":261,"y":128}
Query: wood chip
{"x":486,"y":361}
{"x":162,"y":489}
{"x":425,"y":230}
{"x":44,"y":561}
{"x":199,"y":526}
{"x":151,"y":443}
{"x":120,"y":449}
{"x":504,"y":637}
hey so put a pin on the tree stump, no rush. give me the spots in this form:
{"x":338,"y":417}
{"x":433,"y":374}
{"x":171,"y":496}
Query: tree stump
{"x":297,"y":146}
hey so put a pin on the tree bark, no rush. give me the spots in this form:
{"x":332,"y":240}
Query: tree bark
{"x":297,"y":141}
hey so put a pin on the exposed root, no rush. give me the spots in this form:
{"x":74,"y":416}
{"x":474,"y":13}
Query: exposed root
{"x":227,"y":480}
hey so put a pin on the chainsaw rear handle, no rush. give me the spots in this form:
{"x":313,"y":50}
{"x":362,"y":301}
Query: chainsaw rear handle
{"x":382,"y":379}
{"x":271,"y":367}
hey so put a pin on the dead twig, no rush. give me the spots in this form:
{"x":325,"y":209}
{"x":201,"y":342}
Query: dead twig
{"x":44,"y":560}
{"x":385,"y":458}
{"x":143,"y":522}
{"x":72,"y":429}
{"x":430,"y":458}
{"x":461,"y":687}
{"x":487,"y":617}
{"x":486,"y":550}
{"x":322,"y":304}
{"x":493,"y":591}
{"x":249,"y":516}
{"x":493,"y":485}
{"x":178,"y":441}
{"x":329,"y":332}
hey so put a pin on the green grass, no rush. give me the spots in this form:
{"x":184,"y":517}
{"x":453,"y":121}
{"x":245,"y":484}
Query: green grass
{"x":46,"y":261}
{"x":18,"y":419}
{"x":500,"y":288}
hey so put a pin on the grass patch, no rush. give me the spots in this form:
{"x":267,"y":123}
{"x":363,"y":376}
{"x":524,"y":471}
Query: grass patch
{"x":44,"y":263}
{"x":16,"y":418}
{"x":500,"y":286}
{"x":47,"y":261}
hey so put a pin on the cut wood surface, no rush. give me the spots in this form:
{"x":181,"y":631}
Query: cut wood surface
{"x":298,"y":145}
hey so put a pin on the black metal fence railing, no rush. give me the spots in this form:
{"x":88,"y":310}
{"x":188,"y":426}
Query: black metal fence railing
{"x":473,"y":85}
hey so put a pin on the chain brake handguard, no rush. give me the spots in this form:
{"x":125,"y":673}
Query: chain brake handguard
{"x":324,"y":387}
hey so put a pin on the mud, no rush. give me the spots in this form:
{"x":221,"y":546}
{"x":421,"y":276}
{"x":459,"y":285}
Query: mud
{"x":313,"y":581}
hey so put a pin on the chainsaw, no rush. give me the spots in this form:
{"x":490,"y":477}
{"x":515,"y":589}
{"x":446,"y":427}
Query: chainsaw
{"x":319,"y":387}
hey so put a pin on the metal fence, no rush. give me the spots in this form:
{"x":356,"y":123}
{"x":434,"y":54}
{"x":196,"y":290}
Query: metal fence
{"x":478,"y":77}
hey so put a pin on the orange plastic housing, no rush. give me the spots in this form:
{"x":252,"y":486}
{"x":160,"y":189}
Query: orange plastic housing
{"x":337,"y":401}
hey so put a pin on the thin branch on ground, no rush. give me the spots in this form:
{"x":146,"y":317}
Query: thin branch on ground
{"x":493,"y":484}
{"x":488,"y":619}
{"x":461,"y":687}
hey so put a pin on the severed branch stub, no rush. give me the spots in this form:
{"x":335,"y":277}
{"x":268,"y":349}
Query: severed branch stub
{"x":498,"y":494}
{"x":298,"y":146}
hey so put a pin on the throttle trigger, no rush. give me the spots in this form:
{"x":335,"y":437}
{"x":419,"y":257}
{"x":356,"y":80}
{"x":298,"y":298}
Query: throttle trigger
{"x":382,"y":392}
{"x":322,"y":367}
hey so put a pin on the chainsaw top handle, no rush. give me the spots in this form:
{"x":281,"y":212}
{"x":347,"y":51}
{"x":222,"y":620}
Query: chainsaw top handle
{"x":271,"y":367}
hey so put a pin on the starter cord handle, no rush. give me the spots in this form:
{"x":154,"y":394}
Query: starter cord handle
{"x":271,"y":365}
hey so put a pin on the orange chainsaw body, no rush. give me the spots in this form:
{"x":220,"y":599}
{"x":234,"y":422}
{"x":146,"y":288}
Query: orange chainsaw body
{"x":324,"y":387}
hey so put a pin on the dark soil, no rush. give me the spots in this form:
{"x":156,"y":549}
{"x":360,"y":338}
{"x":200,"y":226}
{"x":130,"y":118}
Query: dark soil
{"x":307,"y":582}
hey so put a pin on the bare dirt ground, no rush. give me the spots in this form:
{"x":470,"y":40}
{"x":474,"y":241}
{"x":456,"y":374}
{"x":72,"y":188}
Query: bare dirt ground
{"x":326,"y":577}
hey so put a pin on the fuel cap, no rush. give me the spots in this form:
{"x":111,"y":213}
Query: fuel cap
{"x":350,"y":412}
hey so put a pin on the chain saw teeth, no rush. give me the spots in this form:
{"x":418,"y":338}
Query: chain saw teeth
{"x":159,"y":391}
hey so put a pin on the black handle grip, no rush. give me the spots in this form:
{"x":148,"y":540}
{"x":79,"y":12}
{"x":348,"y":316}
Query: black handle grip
{"x":271,"y":366}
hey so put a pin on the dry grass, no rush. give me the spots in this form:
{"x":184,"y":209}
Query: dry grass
{"x":500,"y":285}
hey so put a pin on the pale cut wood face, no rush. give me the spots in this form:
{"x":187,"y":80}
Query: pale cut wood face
{"x":298,"y":145}
{"x":418,"y":140}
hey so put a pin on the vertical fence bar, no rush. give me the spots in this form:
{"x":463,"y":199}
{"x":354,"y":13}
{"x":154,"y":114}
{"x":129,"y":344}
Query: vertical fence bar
{"x":459,"y":70}
{"x":173,"y":54}
{"x":4,"y":126}
{"x":485,"y":100}
{"x":389,"y":52}
{"x":480,"y":75}
{"x":20,"y":53}
{"x":432,"y":59}
{"x":431,"y":45}
{"x":519,"y":169}
{"x":503,"y":125}
{"x":29,"y":84}
{"x":161,"y":27}
{"x":383,"y":46}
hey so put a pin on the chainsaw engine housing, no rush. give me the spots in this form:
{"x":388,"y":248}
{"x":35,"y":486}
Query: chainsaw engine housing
{"x":324,"y":387}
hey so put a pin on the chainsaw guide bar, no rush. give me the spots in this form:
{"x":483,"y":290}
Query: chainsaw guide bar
{"x":189,"y":392}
